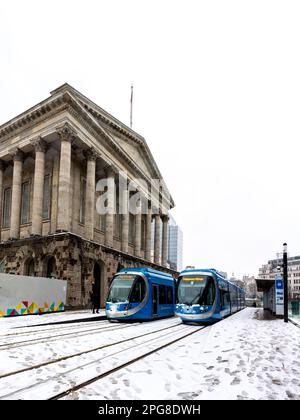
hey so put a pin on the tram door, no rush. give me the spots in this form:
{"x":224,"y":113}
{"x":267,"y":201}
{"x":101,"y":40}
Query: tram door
{"x":154,"y":299}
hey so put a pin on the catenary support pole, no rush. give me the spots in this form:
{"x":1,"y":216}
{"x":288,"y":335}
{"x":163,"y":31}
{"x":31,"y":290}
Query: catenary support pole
{"x":285,"y":282}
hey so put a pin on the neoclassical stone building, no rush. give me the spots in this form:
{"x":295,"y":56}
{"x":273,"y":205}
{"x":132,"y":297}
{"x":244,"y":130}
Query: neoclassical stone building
{"x":51,"y":158}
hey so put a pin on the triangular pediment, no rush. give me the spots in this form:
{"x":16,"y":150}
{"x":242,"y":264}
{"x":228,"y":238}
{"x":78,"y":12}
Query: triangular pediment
{"x":135,"y":152}
{"x":130,"y":142}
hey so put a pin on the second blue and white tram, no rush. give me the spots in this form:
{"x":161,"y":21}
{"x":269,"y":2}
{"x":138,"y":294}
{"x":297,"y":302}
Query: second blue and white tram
{"x":206,"y":296}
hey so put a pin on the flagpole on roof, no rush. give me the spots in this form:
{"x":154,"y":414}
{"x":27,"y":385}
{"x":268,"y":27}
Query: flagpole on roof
{"x":131,"y":100}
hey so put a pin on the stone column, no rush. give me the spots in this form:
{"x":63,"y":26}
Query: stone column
{"x":138,"y":230}
{"x":125,"y":220}
{"x":157,"y":238}
{"x":148,"y":233}
{"x":1,"y":193}
{"x":90,"y":194}
{"x":165,"y":243}
{"x":111,"y":205}
{"x":38,"y":187}
{"x":66,"y":136}
{"x":16,"y":195}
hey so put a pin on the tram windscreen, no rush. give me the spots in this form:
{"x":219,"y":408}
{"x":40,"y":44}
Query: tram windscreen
{"x":193,"y":290}
{"x":127,"y":288}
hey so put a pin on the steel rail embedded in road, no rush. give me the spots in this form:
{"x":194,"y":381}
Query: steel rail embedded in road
{"x":51,"y":338}
{"x":44,"y":330}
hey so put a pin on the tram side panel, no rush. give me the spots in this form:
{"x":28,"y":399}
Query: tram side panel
{"x":224,"y":297}
{"x":233,"y":298}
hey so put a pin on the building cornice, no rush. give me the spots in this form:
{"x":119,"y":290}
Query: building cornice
{"x":21,"y":123}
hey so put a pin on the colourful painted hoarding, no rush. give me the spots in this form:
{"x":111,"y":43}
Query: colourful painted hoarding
{"x":24,"y":295}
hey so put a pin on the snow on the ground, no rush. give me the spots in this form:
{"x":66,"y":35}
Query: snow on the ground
{"x":241,"y":357}
{"x":28,"y":320}
{"x":238,"y":358}
{"x":48,"y":381}
{"x":46,"y":349}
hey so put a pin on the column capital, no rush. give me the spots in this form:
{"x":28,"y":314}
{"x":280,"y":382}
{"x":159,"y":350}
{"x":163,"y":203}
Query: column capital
{"x":39,"y":144}
{"x":91,"y":154}
{"x":66,"y":133}
{"x":17,"y":155}
{"x":165,"y":218}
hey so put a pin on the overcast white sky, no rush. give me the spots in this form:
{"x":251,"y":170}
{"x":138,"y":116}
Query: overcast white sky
{"x":216,"y":95}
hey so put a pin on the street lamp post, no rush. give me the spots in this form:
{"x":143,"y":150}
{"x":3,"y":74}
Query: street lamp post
{"x":285,"y":284}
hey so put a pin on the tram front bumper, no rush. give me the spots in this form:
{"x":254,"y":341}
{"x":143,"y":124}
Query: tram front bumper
{"x":116,"y":310}
{"x":191,"y":313}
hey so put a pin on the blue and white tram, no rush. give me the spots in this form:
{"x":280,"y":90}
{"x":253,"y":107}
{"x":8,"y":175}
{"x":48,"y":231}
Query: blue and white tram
{"x":140,"y":294}
{"x":206,"y":296}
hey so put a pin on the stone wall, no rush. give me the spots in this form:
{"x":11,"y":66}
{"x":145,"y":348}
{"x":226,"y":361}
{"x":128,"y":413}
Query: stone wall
{"x":75,"y":260}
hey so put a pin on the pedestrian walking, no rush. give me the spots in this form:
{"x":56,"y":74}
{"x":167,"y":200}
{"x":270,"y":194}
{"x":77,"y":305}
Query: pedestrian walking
{"x":95,"y":299}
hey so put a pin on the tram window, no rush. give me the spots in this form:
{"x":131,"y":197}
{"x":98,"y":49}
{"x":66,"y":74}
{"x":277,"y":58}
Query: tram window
{"x":234,"y":296}
{"x":208,"y":296}
{"x":165,"y":295}
{"x":169,"y":295}
{"x":222,"y":298}
{"x":225,"y":298}
{"x":138,"y":291}
{"x":162,"y":294}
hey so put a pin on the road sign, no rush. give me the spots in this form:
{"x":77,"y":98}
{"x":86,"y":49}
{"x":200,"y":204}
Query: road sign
{"x":279,"y":295}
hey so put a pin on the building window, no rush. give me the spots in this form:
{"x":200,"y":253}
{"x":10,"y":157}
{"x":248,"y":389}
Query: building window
{"x":117,"y":217}
{"x":25,"y":203}
{"x":131,"y":232}
{"x":51,"y":268}
{"x":82,"y":200}
{"x":143,"y":233}
{"x":6,"y":208}
{"x":118,"y":225}
{"x":29,"y":268}
{"x":103,"y":222}
{"x":46,"y":197}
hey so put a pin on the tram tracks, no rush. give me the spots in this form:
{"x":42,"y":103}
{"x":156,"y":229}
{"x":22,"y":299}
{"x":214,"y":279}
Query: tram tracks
{"x":41,"y":329}
{"x":51,"y":338}
{"x":73,"y":374}
{"x":60,"y":359}
{"x":30,"y":338}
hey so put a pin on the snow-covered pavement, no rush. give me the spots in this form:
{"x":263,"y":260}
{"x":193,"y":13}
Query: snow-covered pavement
{"x":241,"y":357}
{"x":238,"y":358}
